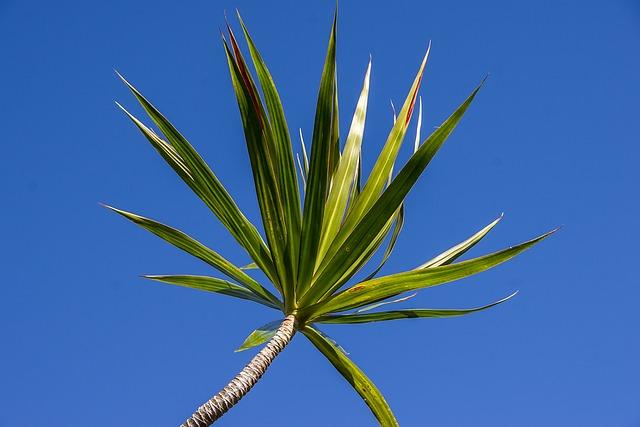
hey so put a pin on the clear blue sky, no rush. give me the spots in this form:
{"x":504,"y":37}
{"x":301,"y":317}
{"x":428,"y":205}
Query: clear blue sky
{"x":551,"y":140}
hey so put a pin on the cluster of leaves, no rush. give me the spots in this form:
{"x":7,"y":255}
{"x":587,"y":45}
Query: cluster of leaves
{"x":313,"y":248}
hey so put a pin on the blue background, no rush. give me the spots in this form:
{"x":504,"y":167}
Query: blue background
{"x":551,"y":140}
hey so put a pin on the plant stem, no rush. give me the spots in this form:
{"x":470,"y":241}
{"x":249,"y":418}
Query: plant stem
{"x":231,"y":394}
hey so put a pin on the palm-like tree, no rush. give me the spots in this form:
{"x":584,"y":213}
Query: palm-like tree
{"x":313,"y":248}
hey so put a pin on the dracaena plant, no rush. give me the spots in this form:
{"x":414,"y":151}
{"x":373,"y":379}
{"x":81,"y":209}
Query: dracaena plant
{"x":321,"y":227}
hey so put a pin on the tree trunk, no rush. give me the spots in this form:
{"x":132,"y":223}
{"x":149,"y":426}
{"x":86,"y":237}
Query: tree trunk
{"x":208,"y":413}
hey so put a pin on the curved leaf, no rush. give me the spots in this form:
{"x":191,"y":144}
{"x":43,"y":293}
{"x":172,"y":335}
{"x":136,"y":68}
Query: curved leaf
{"x":382,"y":169}
{"x":405,"y":314}
{"x":330,"y":272}
{"x":354,"y":376}
{"x":212,"y":284}
{"x":450,"y":255}
{"x":198,"y":250}
{"x":207,"y":186}
{"x":261,"y":335}
{"x":345,"y":176}
{"x":384,"y":287}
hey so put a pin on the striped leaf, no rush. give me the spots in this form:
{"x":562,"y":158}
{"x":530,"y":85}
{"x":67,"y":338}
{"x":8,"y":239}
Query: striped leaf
{"x":450,"y":255}
{"x":205,"y":184}
{"x":374,"y":290}
{"x":284,"y":164}
{"x":346,"y":173}
{"x":260,"y":145}
{"x":318,"y":179}
{"x":405,"y":314}
{"x":382,"y":169}
{"x":212,"y":284}
{"x":354,"y":376}
{"x":198,"y":250}
{"x":377,"y":217}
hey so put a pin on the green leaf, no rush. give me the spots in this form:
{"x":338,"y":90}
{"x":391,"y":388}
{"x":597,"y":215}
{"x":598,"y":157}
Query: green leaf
{"x":378,"y":289}
{"x":343,"y":180}
{"x":399,"y":222}
{"x":319,"y":177}
{"x":250,"y":266}
{"x":366,"y":255}
{"x":416,"y":143}
{"x":261,"y":150}
{"x":212,"y":284}
{"x":198,"y":250}
{"x":330,"y":272}
{"x":458,"y":250}
{"x":380,"y":304}
{"x":383,"y":167}
{"x":205,"y":184}
{"x":405,"y":314}
{"x":261,"y":335}
{"x":284,"y":165}
{"x":354,"y":376}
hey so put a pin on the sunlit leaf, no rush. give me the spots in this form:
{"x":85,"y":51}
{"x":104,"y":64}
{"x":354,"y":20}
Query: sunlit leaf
{"x":261,"y":335}
{"x":378,"y":289}
{"x":450,"y":255}
{"x":318,"y":179}
{"x":354,"y":376}
{"x":212,"y":284}
{"x":198,"y":250}
{"x":207,"y":186}
{"x":405,"y":314}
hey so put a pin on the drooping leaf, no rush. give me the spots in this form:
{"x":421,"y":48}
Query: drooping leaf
{"x":318,"y":179}
{"x":207,"y":186}
{"x":261,"y":335}
{"x":198,"y":250}
{"x":344,"y":178}
{"x":450,"y":255}
{"x":331,"y":271}
{"x":378,"y":289}
{"x":354,"y":376}
{"x":405,"y":314}
{"x":212,"y":284}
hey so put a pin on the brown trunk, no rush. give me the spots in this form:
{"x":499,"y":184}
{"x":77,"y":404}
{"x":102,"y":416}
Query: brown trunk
{"x":208,"y":413}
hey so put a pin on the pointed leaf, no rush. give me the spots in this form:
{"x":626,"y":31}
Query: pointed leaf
{"x":383,"y":167}
{"x":399,"y":222}
{"x":319,"y":166}
{"x":284,"y":165}
{"x":250,"y":266}
{"x":346,"y":174}
{"x":212,"y":284}
{"x":261,"y":150}
{"x":384,"y":208}
{"x":261,"y":335}
{"x":405,"y":314}
{"x":198,"y":250}
{"x":450,"y":255}
{"x":374,"y":290}
{"x":380,"y":304}
{"x":207,"y":186}
{"x":354,"y":376}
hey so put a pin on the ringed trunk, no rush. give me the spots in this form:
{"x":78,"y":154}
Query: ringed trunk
{"x":231,"y":394}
